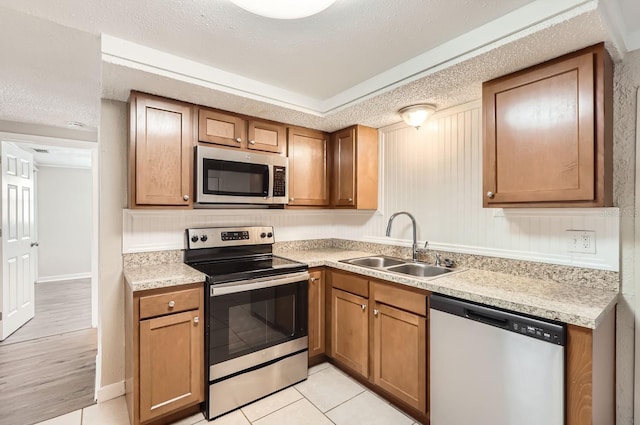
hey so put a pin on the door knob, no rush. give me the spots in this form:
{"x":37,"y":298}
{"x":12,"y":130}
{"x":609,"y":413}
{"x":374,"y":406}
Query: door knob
{"x":196,"y":320}
{"x":172,"y":304}
{"x":36,"y":243}
{"x":253,"y":142}
{"x":490,"y":195}
{"x":363,"y":306}
{"x":375,"y":312}
{"x":185,"y":197}
{"x":239,"y":140}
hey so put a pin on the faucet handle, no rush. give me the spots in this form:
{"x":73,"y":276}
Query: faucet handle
{"x":438,"y":259}
{"x":425,"y":244}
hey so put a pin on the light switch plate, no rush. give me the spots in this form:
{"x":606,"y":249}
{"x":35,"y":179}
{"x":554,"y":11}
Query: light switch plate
{"x":581,"y":241}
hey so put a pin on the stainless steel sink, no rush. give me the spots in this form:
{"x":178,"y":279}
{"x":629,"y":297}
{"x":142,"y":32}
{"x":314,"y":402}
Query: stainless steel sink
{"x":375,"y":262}
{"x":396,"y":265}
{"x":419,"y":270}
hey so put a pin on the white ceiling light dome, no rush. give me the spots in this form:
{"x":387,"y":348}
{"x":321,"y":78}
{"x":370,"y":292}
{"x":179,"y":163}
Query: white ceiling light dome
{"x":416,"y":115}
{"x":284,"y":9}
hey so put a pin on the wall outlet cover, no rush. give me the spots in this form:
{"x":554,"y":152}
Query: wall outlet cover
{"x":581,"y":241}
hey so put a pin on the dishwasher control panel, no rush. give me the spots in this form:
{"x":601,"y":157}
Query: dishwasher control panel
{"x":533,"y":327}
{"x":536,"y":332}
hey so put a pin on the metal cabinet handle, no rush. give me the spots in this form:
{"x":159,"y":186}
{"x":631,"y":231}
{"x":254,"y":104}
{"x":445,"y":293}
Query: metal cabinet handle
{"x":172,"y":304}
{"x":350,"y":199}
{"x":185,"y":197}
{"x":239,"y":140}
{"x":313,"y":279}
{"x":253,"y":142}
{"x":196,"y":320}
{"x":375,"y":312}
{"x":490,"y":195}
{"x":363,"y":306}
{"x":292,"y":199}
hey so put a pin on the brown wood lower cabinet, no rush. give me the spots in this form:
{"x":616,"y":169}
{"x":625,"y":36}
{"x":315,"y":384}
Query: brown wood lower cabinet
{"x":164,"y":352}
{"x":350,"y":331}
{"x":400,"y":354}
{"x":316,"y":329}
{"x":379,"y":331}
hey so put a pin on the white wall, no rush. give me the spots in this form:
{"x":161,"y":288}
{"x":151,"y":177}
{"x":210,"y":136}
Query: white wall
{"x":64,"y":223}
{"x":113,"y":198}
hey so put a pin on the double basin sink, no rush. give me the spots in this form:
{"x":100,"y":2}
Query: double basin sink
{"x":396,"y":265}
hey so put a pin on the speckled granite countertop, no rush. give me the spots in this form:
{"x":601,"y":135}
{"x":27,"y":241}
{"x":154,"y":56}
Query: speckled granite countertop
{"x":571,"y":304}
{"x":143,"y":277}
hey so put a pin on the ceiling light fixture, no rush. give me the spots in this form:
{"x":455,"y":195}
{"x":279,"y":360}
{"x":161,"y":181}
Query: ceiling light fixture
{"x":416,"y":115}
{"x":284,"y":9}
{"x":75,"y":124}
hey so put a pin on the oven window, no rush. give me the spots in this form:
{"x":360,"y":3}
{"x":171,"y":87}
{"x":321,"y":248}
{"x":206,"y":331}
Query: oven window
{"x":247,"y":322}
{"x":235,"y":178}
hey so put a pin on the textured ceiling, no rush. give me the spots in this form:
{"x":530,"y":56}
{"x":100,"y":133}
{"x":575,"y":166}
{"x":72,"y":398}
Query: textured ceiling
{"x":53,"y":69}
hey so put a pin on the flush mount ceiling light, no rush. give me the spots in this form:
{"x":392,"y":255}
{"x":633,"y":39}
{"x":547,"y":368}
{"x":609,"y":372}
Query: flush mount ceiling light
{"x":416,"y":115}
{"x":284,"y":9}
{"x":75,"y":124}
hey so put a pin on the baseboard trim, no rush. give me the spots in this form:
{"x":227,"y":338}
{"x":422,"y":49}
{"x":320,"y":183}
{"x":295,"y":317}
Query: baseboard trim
{"x":61,"y":277}
{"x":110,"y":392}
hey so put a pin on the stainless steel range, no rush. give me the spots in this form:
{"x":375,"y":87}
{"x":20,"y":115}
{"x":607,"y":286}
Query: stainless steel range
{"x":256,"y":309}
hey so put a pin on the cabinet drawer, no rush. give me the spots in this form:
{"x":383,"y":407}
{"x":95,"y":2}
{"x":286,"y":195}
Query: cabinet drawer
{"x":173,"y":302}
{"x":401,"y":298}
{"x":350,"y":283}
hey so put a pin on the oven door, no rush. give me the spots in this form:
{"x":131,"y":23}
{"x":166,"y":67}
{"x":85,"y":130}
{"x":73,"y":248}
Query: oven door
{"x":255,"y":322}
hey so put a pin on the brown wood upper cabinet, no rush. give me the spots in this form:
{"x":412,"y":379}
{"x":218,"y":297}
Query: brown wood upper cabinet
{"x":355,"y":168}
{"x":548,"y":134}
{"x":160,"y":152}
{"x":238,"y":131}
{"x":308,"y":172}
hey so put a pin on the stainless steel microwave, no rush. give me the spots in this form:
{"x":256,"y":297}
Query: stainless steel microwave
{"x":227,"y":176}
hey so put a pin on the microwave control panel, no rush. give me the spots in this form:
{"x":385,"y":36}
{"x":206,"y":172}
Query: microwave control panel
{"x":279,"y":181}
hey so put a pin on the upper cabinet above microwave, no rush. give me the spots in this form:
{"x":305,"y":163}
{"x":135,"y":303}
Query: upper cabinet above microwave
{"x":237,"y":131}
{"x":548,"y":133}
{"x":160,"y":152}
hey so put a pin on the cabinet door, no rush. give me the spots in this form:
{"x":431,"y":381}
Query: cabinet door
{"x":221,"y":129}
{"x":171,"y":369}
{"x":308,"y":181}
{"x":267,"y":137}
{"x":344,"y":168}
{"x":316,"y":313}
{"x":161,"y":155}
{"x":399,"y":354}
{"x":540,"y":134}
{"x":349,"y":331}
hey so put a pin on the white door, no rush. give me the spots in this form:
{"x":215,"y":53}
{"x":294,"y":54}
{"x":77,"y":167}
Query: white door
{"x":17,"y":237}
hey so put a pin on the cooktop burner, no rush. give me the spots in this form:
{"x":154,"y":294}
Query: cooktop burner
{"x":227,"y":254}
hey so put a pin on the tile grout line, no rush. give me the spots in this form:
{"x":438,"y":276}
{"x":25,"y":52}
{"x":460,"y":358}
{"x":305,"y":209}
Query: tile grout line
{"x":347,"y":400}
{"x":293,"y":402}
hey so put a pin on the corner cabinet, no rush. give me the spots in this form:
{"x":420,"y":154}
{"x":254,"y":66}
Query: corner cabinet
{"x":355,"y":168}
{"x":164,"y":352}
{"x":160,"y":152}
{"x":316,"y":328}
{"x":548,"y":134}
{"x":308,"y":168}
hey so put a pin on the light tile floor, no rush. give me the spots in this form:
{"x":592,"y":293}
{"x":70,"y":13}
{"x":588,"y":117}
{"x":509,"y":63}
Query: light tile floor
{"x":328,"y":397}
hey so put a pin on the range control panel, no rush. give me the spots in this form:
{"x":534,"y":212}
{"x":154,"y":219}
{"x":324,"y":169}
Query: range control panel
{"x":214,"y":237}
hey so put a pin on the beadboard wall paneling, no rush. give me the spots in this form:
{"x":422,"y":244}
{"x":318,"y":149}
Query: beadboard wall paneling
{"x":435,"y":173}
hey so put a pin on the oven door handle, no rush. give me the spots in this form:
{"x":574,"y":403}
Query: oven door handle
{"x":252,"y":284}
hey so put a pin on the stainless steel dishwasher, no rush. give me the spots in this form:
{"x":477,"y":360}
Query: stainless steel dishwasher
{"x":493,"y":367}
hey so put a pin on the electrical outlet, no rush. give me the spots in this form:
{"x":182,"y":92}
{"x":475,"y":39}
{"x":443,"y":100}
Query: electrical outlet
{"x":582,"y":241}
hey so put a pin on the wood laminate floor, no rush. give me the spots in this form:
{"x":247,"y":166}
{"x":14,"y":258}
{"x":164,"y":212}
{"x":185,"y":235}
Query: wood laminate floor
{"x":47,"y":367}
{"x":60,"y":307}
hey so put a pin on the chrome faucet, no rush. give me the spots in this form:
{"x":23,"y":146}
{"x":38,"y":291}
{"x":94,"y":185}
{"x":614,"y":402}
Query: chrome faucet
{"x":413,"y":222}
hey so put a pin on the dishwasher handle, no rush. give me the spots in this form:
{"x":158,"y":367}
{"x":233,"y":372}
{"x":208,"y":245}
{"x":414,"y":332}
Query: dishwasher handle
{"x":486,"y":318}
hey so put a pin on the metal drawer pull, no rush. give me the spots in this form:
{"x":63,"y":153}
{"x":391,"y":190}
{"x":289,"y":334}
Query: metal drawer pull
{"x":350,"y":199}
{"x":490,"y":195}
{"x":185,"y":197}
{"x":196,"y":320}
{"x":172,"y":304}
{"x":239,"y":140}
{"x":253,"y":142}
{"x":363,"y":306}
{"x":375,"y":312}
{"x":313,"y":279}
